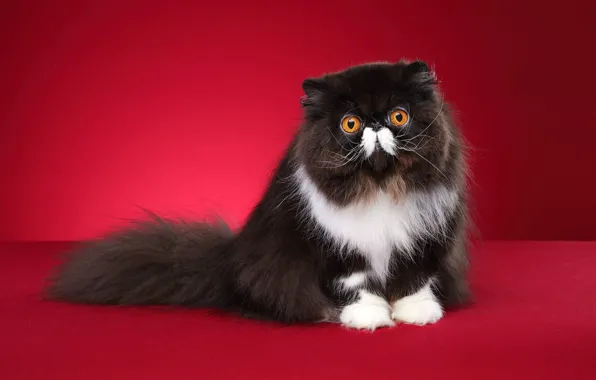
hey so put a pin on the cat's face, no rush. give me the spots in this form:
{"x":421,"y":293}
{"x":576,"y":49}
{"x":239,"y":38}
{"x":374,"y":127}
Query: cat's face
{"x":376,"y":121}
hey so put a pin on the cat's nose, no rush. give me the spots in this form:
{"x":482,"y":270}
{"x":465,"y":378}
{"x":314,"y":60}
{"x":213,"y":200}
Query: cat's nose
{"x":376,"y":126}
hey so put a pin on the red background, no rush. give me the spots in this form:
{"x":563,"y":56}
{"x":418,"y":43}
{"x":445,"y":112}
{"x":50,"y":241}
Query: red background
{"x":111,"y":105}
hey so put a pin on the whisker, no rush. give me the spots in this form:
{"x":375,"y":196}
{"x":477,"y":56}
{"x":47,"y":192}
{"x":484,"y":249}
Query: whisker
{"x":417,"y":145}
{"x":350,"y":157}
{"x":427,"y":136}
{"x":431,"y":123}
{"x":340,"y":144}
{"x":421,"y":156}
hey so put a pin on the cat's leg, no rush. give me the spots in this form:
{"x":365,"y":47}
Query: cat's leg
{"x":436,"y":282}
{"x":421,"y":307}
{"x":412,"y":288}
{"x":364,"y":306}
{"x":426,"y":284}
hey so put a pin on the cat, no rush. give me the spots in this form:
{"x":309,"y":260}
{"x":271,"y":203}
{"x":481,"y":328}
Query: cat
{"x":363,"y":223}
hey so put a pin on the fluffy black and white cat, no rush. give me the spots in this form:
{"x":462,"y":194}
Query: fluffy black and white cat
{"x":363,"y":222}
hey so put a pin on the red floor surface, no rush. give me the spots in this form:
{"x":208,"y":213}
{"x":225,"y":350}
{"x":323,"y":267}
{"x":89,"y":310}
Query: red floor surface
{"x":534,"y":318}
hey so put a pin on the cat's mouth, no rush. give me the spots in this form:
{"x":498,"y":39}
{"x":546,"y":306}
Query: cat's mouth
{"x":379,"y":160}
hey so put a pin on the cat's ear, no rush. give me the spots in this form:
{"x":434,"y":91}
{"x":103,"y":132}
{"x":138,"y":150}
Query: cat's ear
{"x":416,"y":67}
{"x":314,"y":91}
{"x":420,"y":74}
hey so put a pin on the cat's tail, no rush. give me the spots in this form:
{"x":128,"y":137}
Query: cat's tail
{"x":154,"y":262}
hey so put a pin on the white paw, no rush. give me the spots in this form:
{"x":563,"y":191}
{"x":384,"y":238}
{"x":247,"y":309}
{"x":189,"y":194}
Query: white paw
{"x":420,"y":308}
{"x":416,"y":311}
{"x":370,"y":312}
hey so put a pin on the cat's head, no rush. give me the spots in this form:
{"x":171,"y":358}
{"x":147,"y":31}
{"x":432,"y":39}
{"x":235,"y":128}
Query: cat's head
{"x":378,"y":124}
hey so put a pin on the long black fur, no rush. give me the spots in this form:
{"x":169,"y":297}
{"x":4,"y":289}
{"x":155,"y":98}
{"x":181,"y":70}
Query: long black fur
{"x":279,"y":266}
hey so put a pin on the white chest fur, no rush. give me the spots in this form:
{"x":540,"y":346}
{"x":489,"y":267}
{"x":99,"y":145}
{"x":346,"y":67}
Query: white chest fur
{"x":377,"y":228}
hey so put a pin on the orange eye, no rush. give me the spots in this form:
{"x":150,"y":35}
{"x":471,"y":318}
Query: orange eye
{"x":350,"y":124}
{"x":399,"y":118}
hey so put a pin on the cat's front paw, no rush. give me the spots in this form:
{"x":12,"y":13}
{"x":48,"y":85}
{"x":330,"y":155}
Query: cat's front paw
{"x":370,"y":312}
{"x":416,"y":311}
{"x":365,"y":317}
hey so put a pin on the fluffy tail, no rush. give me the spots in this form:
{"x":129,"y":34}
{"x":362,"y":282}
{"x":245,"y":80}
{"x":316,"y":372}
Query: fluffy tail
{"x":156,"y":262}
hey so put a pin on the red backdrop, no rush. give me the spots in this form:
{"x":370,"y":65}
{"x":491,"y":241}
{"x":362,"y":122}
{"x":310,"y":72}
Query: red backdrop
{"x":111,"y":105}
